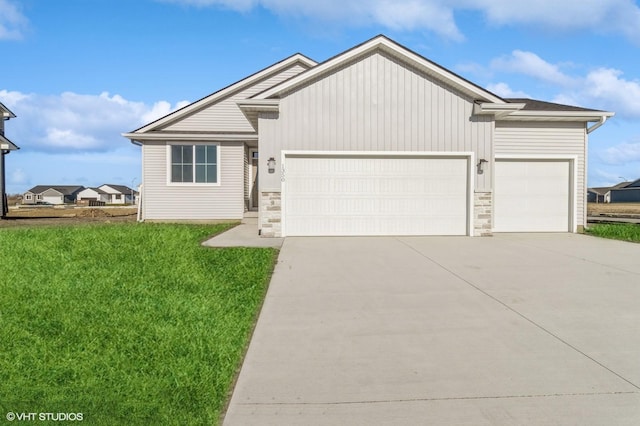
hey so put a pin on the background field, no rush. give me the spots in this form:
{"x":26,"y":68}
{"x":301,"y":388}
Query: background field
{"x":594,"y":209}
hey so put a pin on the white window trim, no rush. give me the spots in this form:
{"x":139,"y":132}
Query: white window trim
{"x":168,"y":164}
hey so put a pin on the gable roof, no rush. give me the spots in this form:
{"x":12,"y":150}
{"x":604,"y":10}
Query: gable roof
{"x":62,"y":189}
{"x":634,"y":184}
{"x":120,"y":188}
{"x":383,"y":44}
{"x":536,"y":105}
{"x":7,"y":144}
{"x":222,"y":93}
{"x":97,"y":190}
{"x":6,"y":112}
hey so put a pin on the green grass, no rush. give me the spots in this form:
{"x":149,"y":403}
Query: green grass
{"x":127,"y":324}
{"x":617,"y":231}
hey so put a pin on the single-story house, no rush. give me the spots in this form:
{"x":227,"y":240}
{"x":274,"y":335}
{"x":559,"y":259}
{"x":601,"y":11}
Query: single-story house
{"x":628,"y":193}
{"x":6,"y":146}
{"x":52,"y":194}
{"x":377,"y":140}
{"x":93,"y":194}
{"x":597,"y":195}
{"x":119,"y":194}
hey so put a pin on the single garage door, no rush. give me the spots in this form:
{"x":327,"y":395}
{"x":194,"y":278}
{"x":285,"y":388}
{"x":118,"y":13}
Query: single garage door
{"x":358,"y":195}
{"x":532,"y":196}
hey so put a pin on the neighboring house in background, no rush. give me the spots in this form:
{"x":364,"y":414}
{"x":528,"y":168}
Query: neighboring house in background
{"x":52,"y":194}
{"x":93,"y":194}
{"x":119,"y":194}
{"x":627,"y":193}
{"x":377,"y":140}
{"x":6,"y":146}
{"x":597,"y":195}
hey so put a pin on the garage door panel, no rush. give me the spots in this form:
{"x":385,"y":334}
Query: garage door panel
{"x":532,"y":196}
{"x":376,"y":196}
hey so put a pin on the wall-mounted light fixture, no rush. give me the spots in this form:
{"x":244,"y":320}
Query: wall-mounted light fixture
{"x":271,"y":165}
{"x":481,"y":166}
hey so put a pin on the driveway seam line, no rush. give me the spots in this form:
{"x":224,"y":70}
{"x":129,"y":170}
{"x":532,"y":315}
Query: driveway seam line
{"x":517,"y":313}
{"x":462,"y":398}
{"x":584,"y":259}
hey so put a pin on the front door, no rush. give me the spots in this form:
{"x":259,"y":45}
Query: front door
{"x":253,"y":198}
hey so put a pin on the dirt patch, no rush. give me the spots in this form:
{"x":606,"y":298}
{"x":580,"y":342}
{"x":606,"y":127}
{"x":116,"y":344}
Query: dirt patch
{"x":613,"y":209}
{"x":49,"y":216}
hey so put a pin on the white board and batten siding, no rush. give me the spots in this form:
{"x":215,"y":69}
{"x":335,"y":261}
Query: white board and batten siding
{"x":163,"y":201}
{"x":540,"y":169}
{"x":225,"y":115}
{"x":375,"y":104}
{"x":358,"y":195}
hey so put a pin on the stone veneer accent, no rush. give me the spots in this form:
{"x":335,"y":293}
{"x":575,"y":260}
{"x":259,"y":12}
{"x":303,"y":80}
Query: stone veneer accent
{"x":270,"y":214}
{"x":482,"y":212}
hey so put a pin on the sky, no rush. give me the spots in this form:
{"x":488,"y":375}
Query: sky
{"x":79,"y":73}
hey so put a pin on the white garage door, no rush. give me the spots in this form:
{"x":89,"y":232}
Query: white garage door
{"x":352,"y":195}
{"x":532,"y":196}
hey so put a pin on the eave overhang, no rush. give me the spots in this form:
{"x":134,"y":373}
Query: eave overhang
{"x":139,"y":138}
{"x":6,"y":112}
{"x":7,"y":145}
{"x":251,"y":108}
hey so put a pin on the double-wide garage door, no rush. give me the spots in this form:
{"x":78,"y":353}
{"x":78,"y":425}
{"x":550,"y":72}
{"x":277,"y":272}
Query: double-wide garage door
{"x":532,"y":196}
{"x":370,"y":195}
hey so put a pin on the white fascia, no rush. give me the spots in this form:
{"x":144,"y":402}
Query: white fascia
{"x":138,"y":139}
{"x":499,"y":110}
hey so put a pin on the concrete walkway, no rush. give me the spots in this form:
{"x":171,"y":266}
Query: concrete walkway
{"x":243,"y":235}
{"x":511,"y":330}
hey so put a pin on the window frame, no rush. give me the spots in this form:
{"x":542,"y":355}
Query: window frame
{"x":193,"y":146}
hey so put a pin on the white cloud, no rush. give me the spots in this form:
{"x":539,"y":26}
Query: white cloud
{"x":601,"y":88}
{"x":599,"y":16}
{"x":12,"y":21}
{"x":75,"y":122}
{"x":623,"y":153}
{"x":504,"y":91}
{"x":530,"y":64}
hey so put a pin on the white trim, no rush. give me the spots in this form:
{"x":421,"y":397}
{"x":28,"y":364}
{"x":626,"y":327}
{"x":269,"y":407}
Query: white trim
{"x":556,"y":115}
{"x":251,"y":200}
{"x":385,"y":44}
{"x":195,"y":137}
{"x":469,"y":155}
{"x":573,"y":173}
{"x":168,"y":164}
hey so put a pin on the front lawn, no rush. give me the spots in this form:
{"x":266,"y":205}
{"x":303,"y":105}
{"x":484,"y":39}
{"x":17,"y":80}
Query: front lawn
{"x":126,"y":324}
{"x":617,"y":231}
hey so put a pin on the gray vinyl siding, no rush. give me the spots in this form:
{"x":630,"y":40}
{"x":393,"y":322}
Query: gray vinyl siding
{"x":375,"y":104}
{"x":224,"y":115}
{"x":197,"y":202}
{"x":533,"y":139}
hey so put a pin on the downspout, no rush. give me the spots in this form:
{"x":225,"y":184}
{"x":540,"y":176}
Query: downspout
{"x":139,"y":218}
{"x":600,"y":122}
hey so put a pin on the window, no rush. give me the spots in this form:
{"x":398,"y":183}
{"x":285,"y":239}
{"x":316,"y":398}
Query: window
{"x":194,"y":163}
{"x":28,"y":197}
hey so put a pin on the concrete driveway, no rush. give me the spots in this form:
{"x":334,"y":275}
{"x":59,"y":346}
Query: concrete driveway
{"x":511,"y":330}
